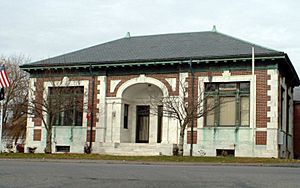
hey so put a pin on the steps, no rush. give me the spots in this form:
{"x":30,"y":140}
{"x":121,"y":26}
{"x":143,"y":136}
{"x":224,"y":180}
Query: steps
{"x":133,"y":149}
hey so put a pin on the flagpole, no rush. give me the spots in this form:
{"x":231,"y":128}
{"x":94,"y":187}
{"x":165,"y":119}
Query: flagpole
{"x":1,"y":125}
{"x":4,"y":83}
{"x":253,"y":61}
{"x":253,"y":99}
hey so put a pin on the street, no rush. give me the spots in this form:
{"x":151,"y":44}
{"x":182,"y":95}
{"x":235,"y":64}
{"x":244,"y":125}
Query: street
{"x":25,"y":173}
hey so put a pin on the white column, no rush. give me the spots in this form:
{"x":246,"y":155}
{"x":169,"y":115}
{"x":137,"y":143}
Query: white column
{"x":110,"y":119}
{"x":132,"y":122}
{"x":153,"y":128}
{"x":116,"y":119}
{"x":102,"y":124}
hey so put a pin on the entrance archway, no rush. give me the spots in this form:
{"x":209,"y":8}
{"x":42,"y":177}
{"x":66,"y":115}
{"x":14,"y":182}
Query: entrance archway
{"x":143,"y":124}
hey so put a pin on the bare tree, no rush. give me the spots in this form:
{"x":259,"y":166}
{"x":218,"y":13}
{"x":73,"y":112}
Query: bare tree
{"x":183,"y":108}
{"x":14,"y":118}
{"x":53,"y":101}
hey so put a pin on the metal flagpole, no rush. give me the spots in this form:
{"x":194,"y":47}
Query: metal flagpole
{"x":253,"y":61}
{"x":1,"y":116}
{"x":4,"y":83}
{"x":253,"y":98}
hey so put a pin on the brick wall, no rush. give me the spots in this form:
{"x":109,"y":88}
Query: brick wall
{"x":261,"y":137}
{"x":189,"y":138}
{"x":297,"y":130}
{"x":88,"y":135}
{"x":38,"y":99}
{"x":261,"y":93}
{"x":37,"y":134}
{"x":262,"y":98}
{"x":39,"y":84}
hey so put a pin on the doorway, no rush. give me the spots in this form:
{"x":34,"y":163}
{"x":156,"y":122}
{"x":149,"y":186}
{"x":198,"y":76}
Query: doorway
{"x":142,"y":124}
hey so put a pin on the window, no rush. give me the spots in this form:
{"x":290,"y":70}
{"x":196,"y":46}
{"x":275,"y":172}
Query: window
{"x":65,"y":149}
{"x":126,"y":107}
{"x":227,"y":111}
{"x":225,"y":152}
{"x":66,"y":106}
{"x":228,"y":104}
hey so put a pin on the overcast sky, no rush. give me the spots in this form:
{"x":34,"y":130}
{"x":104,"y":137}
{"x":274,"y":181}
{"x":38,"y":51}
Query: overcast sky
{"x":42,"y":29}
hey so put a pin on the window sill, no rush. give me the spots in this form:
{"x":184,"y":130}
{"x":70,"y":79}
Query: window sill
{"x":244,"y":127}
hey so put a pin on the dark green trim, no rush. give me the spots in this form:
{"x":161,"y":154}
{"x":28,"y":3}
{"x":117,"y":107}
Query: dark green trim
{"x":108,"y":65}
{"x":245,"y":68}
{"x":155,"y":69}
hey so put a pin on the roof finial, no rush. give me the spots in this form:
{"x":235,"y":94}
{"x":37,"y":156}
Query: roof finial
{"x":127,"y":35}
{"x":214,"y":29}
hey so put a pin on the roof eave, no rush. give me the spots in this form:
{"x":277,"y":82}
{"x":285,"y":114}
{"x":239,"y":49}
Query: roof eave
{"x":241,"y":57}
{"x":295,"y":80}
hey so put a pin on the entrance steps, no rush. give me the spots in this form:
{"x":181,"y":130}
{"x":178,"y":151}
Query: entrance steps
{"x":133,"y":149}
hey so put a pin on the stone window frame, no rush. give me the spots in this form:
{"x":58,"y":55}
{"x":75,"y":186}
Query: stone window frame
{"x":67,"y":82}
{"x":231,"y":78}
{"x":233,"y":91}
{"x":60,"y":119}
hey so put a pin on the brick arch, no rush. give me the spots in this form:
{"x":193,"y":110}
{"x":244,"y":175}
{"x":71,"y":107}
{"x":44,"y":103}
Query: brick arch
{"x":141,"y":80}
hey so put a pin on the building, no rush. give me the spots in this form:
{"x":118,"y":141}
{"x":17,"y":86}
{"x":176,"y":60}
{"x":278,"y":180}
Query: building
{"x":116,"y":78}
{"x":296,"y":128}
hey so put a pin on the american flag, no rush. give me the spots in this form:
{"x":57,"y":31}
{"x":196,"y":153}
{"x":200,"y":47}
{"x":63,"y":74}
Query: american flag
{"x":4,"y":81}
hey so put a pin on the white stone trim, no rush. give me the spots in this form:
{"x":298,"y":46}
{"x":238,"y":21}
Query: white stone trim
{"x":172,"y":83}
{"x":237,"y":78}
{"x":31,"y":98}
{"x":113,"y":85}
{"x":273,"y":83}
{"x":30,"y":123}
{"x":101,"y":96}
{"x":283,"y":115}
{"x":102,"y":114}
{"x":113,"y":119}
{"x":142,"y":79}
{"x":183,"y":85}
{"x":84,"y":83}
{"x":226,"y":74}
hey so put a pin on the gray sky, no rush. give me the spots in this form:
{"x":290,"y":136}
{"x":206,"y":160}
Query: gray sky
{"x":42,"y":29}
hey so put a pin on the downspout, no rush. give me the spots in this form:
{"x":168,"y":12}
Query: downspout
{"x":193,"y":114}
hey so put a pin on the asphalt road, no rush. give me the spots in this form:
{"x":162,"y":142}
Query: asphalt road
{"x":24,"y":173}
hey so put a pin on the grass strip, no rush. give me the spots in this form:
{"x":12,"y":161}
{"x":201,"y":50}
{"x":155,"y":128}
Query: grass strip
{"x":185,"y":159}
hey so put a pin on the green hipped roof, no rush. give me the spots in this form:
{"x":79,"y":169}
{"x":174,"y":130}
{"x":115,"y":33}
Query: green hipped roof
{"x":164,"y":47}
{"x":200,"y":46}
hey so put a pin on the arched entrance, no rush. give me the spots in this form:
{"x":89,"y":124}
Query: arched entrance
{"x":141,"y":121}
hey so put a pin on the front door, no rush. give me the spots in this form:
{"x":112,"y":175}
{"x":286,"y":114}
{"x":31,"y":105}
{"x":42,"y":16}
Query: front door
{"x":142,"y":124}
